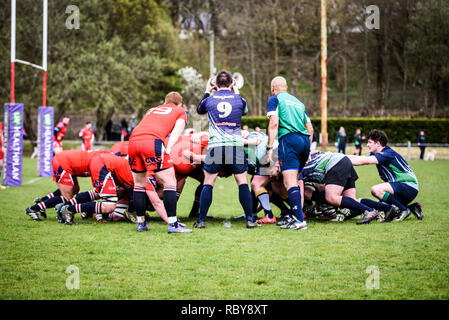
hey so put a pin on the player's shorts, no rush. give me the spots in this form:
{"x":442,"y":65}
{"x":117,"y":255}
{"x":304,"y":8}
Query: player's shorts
{"x":293,"y":151}
{"x":342,"y":174}
{"x":63,"y":175}
{"x":403,"y":192}
{"x":226,"y":158}
{"x":86,"y":146}
{"x":148,"y":155}
{"x":151,"y":184}
{"x":57,"y":144}
{"x":102,"y":179}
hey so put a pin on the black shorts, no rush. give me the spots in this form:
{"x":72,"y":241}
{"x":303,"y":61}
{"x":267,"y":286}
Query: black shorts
{"x":342,"y":174}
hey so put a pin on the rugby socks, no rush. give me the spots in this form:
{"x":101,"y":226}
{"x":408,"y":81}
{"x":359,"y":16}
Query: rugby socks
{"x":49,"y":203}
{"x":170,"y":201}
{"x":264,"y":200}
{"x":88,"y":208}
{"x":56,"y":193}
{"x":352,"y":204}
{"x":196,"y":201}
{"x":389,"y":198}
{"x":318,"y":196}
{"x":83,"y":197}
{"x":139,"y":195}
{"x":205,"y":201}
{"x":246,"y":201}
{"x":255,"y":203}
{"x":279,"y":202}
{"x":381,"y":206}
{"x":294,"y":197}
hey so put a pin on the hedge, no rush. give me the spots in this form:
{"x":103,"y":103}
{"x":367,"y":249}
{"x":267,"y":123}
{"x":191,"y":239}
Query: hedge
{"x":397,"y":130}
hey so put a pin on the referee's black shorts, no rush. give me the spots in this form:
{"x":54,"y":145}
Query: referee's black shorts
{"x":342,"y":174}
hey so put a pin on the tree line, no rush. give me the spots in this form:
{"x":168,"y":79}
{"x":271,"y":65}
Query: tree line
{"x":126,"y":54}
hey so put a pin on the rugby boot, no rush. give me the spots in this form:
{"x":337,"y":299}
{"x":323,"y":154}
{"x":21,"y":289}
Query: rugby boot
{"x":267,"y":220}
{"x":416,"y":209}
{"x":391,"y":214}
{"x":403,"y":215}
{"x":33,"y":214}
{"x":368,"y":217}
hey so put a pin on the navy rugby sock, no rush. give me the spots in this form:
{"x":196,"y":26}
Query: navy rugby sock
{"x":205,"y":201}
{"x":294,"y":197}
{"x":246,"y":201}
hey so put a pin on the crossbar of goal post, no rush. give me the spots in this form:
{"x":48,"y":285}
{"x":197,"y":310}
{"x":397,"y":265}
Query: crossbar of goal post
{"x":44,"y":52}
{"x":14,"y":111}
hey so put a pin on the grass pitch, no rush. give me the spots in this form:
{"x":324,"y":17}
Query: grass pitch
{"x":226,"y":260}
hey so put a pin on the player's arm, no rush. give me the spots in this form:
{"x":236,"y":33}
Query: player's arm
{"x":176,"y":133}
{"x":158,"y":205}
{"x":251,"y":142}
{"x":245,"y":107}
{"x":309,"y":127}
{"x":362,"y":160}
{"x":191,"y":156}
{"x":201,"y":108}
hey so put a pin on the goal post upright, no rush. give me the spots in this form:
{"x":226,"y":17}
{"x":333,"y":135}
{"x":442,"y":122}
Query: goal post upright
{"x":13,"y":48}
{"x":44,"y":51}
{"x":45,"y":123}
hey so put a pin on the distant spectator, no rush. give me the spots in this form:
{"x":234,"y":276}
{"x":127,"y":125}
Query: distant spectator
{"x":341,"y":140}
{"x":257,"y":129}
{"x":108,"y":129}
{"x":422,"y":144}
{"x":132,"y":124}
{"x":59,"y":132}
{"x":245,"y":127}
{"x":358,"y":138}
{"x":87,"y":136}
{"x":124,"y":131}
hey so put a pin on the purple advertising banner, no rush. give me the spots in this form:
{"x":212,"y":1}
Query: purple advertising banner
{"x":12,"y":173}
{"x":45,"y":141}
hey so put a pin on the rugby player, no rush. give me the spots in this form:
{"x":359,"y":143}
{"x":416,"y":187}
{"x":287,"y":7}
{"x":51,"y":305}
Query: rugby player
{"x":59,"y":132}
{"x":291,"y":124}
{"x":67,"y":166}
{"x":88,"y":137}
{"x":225,"y":150}
{"x":400,"y":185}
{"x":337,"y":173}
{"x":112,"y":180}
{"x":150,"y":159}
{"x":120,"y":148}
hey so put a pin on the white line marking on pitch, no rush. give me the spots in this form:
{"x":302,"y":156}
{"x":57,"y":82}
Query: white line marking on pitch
{"x":33,"y":180}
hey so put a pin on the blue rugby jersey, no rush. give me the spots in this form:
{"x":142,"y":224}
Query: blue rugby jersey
{"x":392,"y":167}
{"x":224,"y":110}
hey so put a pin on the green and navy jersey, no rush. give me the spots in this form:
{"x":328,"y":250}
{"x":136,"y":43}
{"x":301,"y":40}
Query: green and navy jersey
{"x":256,"y":153}
{"x":291,"y":112}
{"x":393,"y":168}
{"x":224,"y":110}
{"x":319,"y":165}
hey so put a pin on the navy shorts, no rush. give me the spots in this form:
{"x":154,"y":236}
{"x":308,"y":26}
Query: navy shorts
{"x":293,"y":151}
{"x":226,"y":158}
{"x":403,"y":192}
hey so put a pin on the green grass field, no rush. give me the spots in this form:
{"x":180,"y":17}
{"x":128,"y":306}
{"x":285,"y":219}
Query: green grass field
{"x":327,"y":261}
